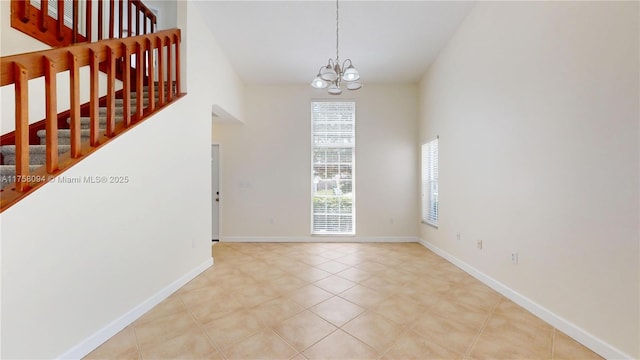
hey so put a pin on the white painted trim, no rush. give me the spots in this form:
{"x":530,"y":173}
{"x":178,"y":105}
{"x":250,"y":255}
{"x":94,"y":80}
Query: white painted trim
{"x":92,"y":342}
{"x":580,"y":335}
{"x":320,"y":238}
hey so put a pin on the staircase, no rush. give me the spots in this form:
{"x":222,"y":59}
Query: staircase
{"x":139,"y":60}
{"x":37,"y":153}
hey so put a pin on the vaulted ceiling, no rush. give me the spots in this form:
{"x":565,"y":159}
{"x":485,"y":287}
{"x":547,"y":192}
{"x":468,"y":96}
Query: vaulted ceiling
{"x":278,"y":42}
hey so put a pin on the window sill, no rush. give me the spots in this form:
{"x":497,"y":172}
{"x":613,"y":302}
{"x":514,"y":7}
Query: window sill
{"x":430,"y":224}
{"x":334,"y":235}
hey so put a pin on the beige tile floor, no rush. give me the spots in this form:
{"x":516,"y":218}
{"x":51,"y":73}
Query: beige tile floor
{"x":337,"y":301}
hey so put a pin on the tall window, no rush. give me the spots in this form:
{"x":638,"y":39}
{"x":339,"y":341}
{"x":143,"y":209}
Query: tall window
{"x":332,"y":181}
{"x":430,"y":182}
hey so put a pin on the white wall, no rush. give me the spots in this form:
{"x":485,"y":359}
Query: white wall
{"x":213,"y":72}
{"x":167,"y":17}
{"x":536,"y":105}
{"x":266,"y":163}
{"x":76,"y":257}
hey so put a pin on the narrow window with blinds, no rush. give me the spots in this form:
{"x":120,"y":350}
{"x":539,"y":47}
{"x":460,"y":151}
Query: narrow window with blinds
{"x":333,"y":159}
{"x":430,"y":182}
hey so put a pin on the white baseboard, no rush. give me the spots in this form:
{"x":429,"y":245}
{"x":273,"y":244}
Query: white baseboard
{"x":580,"y":335}
{"x":320,"y":238}
{"x":92,"y":342}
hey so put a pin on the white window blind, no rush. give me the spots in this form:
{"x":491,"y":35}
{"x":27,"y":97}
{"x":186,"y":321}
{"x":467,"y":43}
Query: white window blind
{"x":430,"y":182}
{"x":333,"y":159}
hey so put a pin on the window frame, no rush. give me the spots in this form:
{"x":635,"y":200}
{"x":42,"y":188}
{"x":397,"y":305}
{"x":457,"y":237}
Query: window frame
{"x":429,"y":174}
{"x":353,"y":170}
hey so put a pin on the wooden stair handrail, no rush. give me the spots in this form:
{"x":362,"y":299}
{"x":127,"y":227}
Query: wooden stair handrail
{"x":55,"y":32}
{"x":33,"y":61}
{"x":19,"y":69}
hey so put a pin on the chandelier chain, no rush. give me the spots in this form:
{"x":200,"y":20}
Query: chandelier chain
{"x":333,"y":74}
{"x":337,"y":33}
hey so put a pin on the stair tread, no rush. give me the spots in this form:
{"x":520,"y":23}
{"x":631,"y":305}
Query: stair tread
{"x":65,"y":132}
{"x":11,"y":149}
{"x":37,"y":154}
{"x":12,"y":168}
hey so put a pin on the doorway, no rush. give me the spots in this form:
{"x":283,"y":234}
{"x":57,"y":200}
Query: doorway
{"x":215,"y":192}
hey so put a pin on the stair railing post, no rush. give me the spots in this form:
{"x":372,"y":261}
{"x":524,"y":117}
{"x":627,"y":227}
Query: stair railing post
{"x":160,"y":43}
{"x":74,"y":25}
{"x":100,"y":19}
{"x":169,"y":68}
{"x":129,"y":17}
{"x":51,"y":122}
{"x":60,"y":24}
{"x":112,"y":16}
{"x":126,"y":86}
{"x":94,"y":114}
{"x":24,"y":10}
{"x":111,"y":91}
{"x":120,"y":16}
{"x":89,"y":20}
{"x":74,"y":97}
{"x":44,"y":9}
{"x":139,"y":81}
{"x":177,"y":39}
{"x":22,"y":126}
{"x":137,"y":5}
{"x":150,"y":77}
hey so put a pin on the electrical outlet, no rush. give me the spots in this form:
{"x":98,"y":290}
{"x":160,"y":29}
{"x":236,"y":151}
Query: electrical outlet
{"x":514,"y":257}
{"x":479,"y":244}
{"x":458,"y":237}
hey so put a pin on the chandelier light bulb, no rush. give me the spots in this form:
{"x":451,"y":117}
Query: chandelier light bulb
{"x":318,"y":83}
{"x":351,"y":74}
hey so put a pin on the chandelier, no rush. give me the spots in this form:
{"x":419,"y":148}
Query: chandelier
{"x":334,"y":73}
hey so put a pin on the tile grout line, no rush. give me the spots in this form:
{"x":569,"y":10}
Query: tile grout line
{"x":484,"y":325}
{"x":406,"y":329}
{"x":286,"y":342}
{"x":319,"y":340}
{"x":193,"y":317}
{"x":135,"y":334}
{"x":553,"y":344}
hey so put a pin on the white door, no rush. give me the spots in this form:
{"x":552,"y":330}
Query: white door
{"x":215,"y":192}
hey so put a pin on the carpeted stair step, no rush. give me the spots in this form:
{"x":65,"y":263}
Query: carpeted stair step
{"x":102,"y":112}
{"x":145,"y":96}
{"x":85,"y":122}
{"x":8,"y":173}
{"x":134,"y":101}
{"x":64,"y":136}
{"x":37,"y":153}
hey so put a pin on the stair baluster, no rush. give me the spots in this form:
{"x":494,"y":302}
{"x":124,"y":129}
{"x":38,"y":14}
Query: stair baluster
{"x":51,"y":127}
{"x":22,"y":125}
